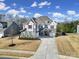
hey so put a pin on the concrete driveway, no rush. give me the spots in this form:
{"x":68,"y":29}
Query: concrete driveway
{"x":46,"y":50}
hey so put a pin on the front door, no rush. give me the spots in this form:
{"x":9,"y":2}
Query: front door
{"x":40,"y":30}
{"x":46,"y":33}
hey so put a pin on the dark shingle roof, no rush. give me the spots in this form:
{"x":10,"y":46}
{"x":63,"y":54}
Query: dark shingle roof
{"x":43,"y":20}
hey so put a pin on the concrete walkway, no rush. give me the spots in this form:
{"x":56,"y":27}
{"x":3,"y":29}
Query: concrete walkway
{"x":46,"y":50}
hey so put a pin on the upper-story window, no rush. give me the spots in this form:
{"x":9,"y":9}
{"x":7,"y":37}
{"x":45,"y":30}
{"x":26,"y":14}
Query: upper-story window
{"x":52,"y":26}
{"x":29,"y":26}
{"x":40,"y":27}
{"x":46,"y":26}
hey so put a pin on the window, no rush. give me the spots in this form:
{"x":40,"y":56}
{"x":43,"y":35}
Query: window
{"x":52,"y":26}
{"x":29,"y":26}
{"x":46,"y":26}
{"x":48,"y":21}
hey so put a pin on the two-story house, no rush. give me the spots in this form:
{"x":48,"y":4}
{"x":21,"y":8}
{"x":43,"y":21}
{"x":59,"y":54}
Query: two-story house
{"x":39,"y":27}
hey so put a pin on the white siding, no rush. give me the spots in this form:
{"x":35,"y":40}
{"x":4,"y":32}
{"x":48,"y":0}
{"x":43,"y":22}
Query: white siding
{"x":31,"y":29}
{"x":53,"y":24}
{"x":1,"y":26}
{"x":24,"y":26}
{"x":53,"y":32}
{"x":1,"y":34}
{"x":30,"y":32}
{"x":27,"y":26}
{"x":1,"y":30}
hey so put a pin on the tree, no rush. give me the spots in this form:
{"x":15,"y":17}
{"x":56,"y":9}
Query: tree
{"x":12,"y":35}
{"x":68,"y":27}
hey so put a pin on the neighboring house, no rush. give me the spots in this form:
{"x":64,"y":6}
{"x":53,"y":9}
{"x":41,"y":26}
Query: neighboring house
{"x":4,"y":24}
{"x":1,"y":30}
{"x":2,"y":17}
{"x":39,"y":27}
{"x":12,"y":29}
{"x":1,"y":26}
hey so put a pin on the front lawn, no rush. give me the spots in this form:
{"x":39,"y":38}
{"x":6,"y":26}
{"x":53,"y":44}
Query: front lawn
{"x":68,"y":45}
{"x":21,"y":45}
{"x":27,"y":45}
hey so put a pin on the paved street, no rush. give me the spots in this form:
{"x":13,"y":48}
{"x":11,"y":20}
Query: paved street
{"x":5,"y":58}
{"x":16,"y":51}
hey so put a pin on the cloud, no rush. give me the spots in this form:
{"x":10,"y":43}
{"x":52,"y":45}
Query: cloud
{"x":71,"y":12}
{"x":65,"y":17}
{"x":77,"y":15}
{"x":72,"y":15}
{"x":49,"y":12}
{"x":16,"y":12}
{"x":49,"y":7}
{"x":13,"y":12}
{"x":41,"y":4}
{"x":22,"y":10}
{"x":58,"y":20}
{"x":37,"y":15}
{"x":2,"y":5}
{"x":22,"y":16}
{"x":2,"y":0}
{"x":57,"y":7}
{"x":34,"y":4}
{"x":29,"y":13}
{"x":14,"y":4}
{"x":45,"y":3}
{"x":59,"y":15}
{"x":6,"y":8}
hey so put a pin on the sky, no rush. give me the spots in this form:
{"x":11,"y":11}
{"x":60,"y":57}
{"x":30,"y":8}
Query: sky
{"x":58,"y":10}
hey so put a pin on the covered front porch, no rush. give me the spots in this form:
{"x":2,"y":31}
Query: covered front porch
{"x":45,"y":33}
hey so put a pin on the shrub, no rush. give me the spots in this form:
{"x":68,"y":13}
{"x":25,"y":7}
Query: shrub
{"x":29,"y":38}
